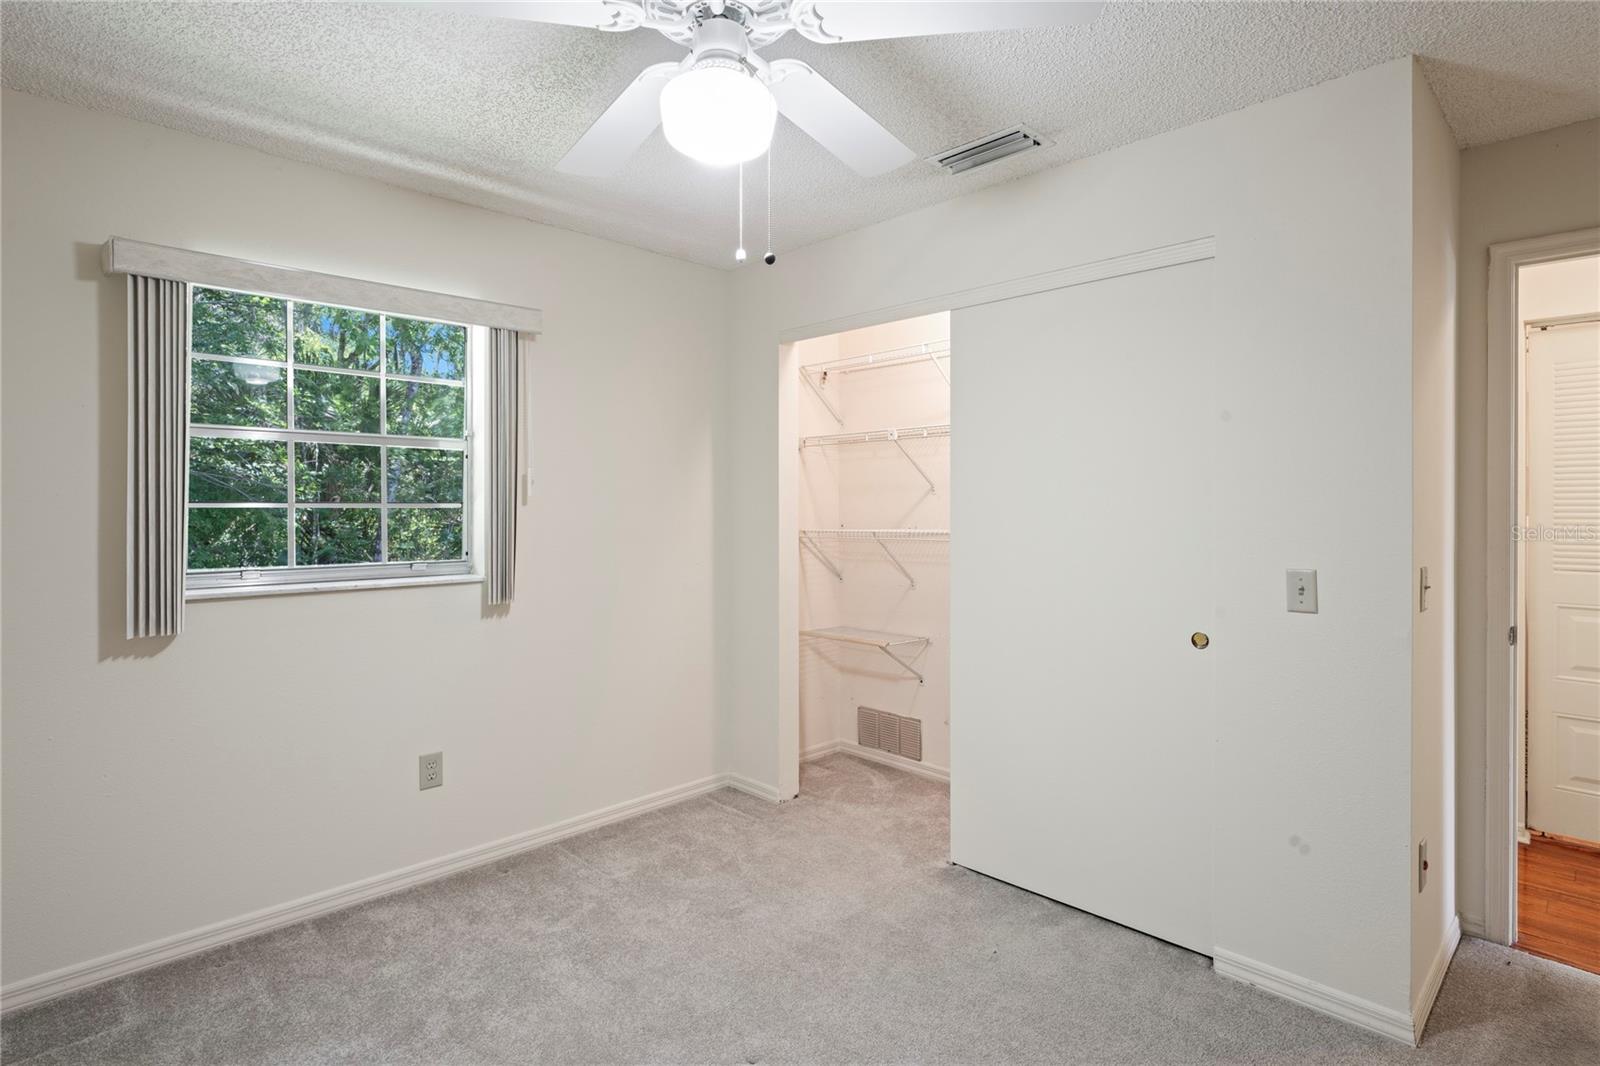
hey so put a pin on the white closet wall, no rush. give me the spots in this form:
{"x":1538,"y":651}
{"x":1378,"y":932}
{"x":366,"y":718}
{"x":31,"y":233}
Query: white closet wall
{"x":1311,"y":199}
{"x":874,"y":486}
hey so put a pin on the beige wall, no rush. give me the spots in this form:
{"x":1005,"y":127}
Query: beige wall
{"x":1527,"y":187}
{"x":270,"y":751}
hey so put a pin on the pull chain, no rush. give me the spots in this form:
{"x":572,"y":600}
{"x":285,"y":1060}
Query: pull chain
{"x":738,"y":253}
{"x":769,"y":258}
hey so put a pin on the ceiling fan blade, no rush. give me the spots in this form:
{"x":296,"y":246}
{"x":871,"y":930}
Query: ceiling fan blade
{"x":595,"y":14}
{"x":850,"y":20}
{"x":834,"y":120}
{"x":619,"y":132}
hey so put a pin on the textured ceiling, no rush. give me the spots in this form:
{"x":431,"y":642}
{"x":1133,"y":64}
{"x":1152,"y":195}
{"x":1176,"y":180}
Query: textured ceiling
{"x":479,"y":110}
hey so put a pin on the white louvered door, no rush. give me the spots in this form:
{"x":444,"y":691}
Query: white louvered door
{"x":1082,"y":554}
{"x":1562,"y":374}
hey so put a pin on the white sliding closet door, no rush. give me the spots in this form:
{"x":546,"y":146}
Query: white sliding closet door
{"x":1082,"y":561}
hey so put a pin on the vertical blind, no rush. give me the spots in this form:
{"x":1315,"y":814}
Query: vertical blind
{"x":158,"y":462}
{"x":500,"y":436}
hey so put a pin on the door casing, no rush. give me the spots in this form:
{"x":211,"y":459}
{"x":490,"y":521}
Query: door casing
{"x":1501,"y":675}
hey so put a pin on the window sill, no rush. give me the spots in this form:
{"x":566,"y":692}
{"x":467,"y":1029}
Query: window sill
{"x":236,"y":592}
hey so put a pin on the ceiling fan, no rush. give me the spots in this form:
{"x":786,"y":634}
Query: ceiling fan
{"x":720,"y":103}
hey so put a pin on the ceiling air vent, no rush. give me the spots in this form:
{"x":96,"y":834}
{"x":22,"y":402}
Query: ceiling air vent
{"x":986,"y":150}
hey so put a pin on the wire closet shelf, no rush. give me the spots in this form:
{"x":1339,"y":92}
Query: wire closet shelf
{"x":877,"y":534}
{"x":897,"y":437}
{"x":928,"y":352}
{"x":877,"y":436}
{"x":890,"y":644}
{"x":900,"y":648}
{"x":880,"y":537}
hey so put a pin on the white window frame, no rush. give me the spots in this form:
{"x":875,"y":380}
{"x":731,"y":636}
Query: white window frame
{"x":295,"y":577}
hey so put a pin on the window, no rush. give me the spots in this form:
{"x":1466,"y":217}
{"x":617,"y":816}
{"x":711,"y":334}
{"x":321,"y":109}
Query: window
{"x":325,"y":443}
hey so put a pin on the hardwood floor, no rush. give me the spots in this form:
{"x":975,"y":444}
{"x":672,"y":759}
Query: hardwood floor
{"x":1558,"y":902}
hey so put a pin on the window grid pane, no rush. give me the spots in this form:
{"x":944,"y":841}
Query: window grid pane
{"x":338,"y":403}
{"x":425,"y":534}
{"x":227,"y":393}
{"x":229,"y":470}
{"x":343,"y":503}
{"x":422,"y":349}
{"x":237,"y":538}
{"x":336,"y":338}
{"x":225,"y":322}
{"x":337,"y":536}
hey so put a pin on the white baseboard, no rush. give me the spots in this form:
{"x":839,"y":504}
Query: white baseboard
{"x":850,"y":747}
{"x":32,"y":990}
{"x":1471,"y":926}
{"x":817,"y":751}
{"x":754,"y":788}
{"x":1385,"y":1021}
{"x":1430,"y":986}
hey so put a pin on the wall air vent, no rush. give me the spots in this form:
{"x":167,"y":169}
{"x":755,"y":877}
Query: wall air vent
{"x":986,"y":150}
{"x":866,"y":727}
{"x":892,"y":733}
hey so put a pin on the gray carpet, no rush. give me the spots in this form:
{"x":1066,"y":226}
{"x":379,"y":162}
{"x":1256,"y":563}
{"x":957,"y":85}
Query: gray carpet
{"x":728,"y":930}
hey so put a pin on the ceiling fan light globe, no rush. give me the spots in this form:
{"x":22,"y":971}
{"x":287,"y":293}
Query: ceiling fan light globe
{"x":718,"y":113}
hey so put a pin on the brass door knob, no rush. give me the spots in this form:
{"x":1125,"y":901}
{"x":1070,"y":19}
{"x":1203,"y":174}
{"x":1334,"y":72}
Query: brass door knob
{"x":1200,"y":641}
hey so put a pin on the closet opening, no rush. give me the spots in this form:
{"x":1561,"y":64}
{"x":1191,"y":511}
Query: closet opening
{"x":873,"y":517}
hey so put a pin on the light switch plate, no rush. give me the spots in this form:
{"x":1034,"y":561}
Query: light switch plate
{"x":1302,"y":591}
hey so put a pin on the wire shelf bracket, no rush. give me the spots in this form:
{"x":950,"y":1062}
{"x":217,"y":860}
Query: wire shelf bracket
{"x":895,"y":560}
{"x":890,"y":644}
{"x":816,"y":390}
{"x":811,"y":545}
{"x":931,"y":352}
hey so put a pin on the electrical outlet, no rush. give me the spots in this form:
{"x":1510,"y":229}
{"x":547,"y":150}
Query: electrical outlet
{"x":1422,"y":865}
{"x":430,"y":770}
